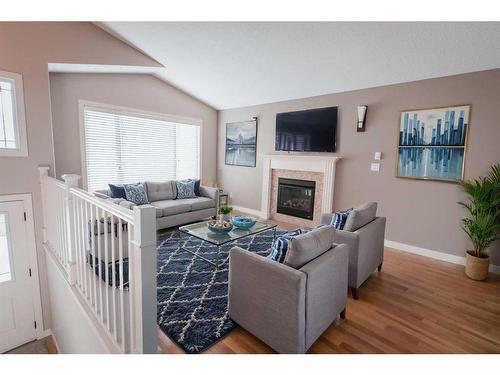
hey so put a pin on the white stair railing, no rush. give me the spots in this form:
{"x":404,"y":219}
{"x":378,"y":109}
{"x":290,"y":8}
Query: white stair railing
{"x":108,"y":254}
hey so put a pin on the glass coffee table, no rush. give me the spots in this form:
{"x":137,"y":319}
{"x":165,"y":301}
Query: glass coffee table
{"x":201,"y":232}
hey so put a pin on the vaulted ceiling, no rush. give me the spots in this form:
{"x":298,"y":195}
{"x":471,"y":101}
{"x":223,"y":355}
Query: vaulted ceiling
{"x":229,"y":65}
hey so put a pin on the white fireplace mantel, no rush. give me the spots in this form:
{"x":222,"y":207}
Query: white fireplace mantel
{"x":308,"y":163}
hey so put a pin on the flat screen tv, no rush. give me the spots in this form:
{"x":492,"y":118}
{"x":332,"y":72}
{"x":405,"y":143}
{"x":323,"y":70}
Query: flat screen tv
{"x":312,"y":130}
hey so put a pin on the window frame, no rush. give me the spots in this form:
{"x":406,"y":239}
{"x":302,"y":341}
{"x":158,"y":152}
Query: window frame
{"x":20,"y":121}
{"x":120,"y":110}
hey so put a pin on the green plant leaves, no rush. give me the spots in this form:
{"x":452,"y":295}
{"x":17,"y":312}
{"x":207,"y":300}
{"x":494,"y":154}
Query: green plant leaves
{"x":483,"y":224}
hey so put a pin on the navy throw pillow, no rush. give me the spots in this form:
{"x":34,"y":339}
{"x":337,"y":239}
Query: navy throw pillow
{"x":136,"y":193}
{"x":339,"y":218}
{"x":197,"y":188}
{"x":117,"y":191}
{"x":282,"y":244}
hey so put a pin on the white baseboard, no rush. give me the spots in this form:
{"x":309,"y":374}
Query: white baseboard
{"x":450,"y":258}
{"x":249,"y":211}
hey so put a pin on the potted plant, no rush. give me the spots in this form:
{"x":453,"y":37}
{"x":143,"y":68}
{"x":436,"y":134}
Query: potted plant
{"x":224,"y":212}
{"x":482,"y":226}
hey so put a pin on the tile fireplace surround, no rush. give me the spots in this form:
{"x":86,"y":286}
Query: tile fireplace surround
{"x":320,"y":169}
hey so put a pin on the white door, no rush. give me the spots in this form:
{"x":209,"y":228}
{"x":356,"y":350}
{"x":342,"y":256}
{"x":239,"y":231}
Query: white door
{"x":17,"y":322}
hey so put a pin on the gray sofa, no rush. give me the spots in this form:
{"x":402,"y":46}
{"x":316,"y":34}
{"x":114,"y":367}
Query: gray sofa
{"x":364,"y":234}
{"x":288,"y":306}
{"x":170,"y":211}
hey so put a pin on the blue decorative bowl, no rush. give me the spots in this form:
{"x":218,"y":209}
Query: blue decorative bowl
{"x":219,"y":230}
{"x":243,"y":222}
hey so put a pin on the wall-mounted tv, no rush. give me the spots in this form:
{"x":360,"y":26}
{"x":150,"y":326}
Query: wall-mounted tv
{"x":312,"y":130}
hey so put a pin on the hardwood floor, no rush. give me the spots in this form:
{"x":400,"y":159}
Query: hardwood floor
{"x":415,"y":305}
{"x":42,"y":346}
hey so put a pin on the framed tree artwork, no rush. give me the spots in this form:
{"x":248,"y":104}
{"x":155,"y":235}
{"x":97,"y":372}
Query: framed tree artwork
{"x":241,"y":143}
{"x":432,"y":143}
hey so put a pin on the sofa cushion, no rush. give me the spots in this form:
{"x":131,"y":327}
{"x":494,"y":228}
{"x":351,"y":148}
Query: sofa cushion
{"x":171,"y":207}
{"x":199,"y":203}
{"x":306,"y":247}
{"x":361,"y":216}
{"x":117,"y":191}
{"x":159,"y":191}
{"x":136,"y":193}
{"x":185,"y":189}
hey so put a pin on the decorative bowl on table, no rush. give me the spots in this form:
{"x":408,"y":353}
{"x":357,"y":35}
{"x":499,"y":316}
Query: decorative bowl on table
{"x":243,"y":222}
{"x":219,"y":227}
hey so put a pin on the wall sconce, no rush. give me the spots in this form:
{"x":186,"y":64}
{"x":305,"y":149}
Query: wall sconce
{"x":361,"y":117}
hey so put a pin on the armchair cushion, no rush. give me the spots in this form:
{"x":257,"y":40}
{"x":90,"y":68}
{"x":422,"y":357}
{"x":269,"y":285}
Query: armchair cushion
{"x":305,"y":247}
{"x":361,"y":216}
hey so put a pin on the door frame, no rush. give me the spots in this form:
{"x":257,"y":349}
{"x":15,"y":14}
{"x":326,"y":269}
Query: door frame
{"x":32,"y":255}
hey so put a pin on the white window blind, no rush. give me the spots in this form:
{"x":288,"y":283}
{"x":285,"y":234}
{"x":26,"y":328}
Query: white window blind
{"x":125,"y":148}
{"x":8,"y":136}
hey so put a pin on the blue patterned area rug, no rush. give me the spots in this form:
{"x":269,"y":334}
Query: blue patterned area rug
{"x":192,"y":294}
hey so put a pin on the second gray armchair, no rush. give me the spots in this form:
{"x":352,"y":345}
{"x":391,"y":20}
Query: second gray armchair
{"x":364,"y":234}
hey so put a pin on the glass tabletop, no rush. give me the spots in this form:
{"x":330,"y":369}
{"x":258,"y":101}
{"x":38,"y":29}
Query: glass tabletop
{"x":201,"y":231}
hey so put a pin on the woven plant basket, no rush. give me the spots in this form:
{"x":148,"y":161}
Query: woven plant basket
{"x":476,"y":268}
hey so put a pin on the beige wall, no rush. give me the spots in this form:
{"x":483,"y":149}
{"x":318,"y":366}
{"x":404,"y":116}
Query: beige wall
{"x":142,"y":92}
{"x":419,"y":213}
{"x":26,"y":48}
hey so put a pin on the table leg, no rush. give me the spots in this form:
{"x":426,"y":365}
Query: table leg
{"x":182,"y":247}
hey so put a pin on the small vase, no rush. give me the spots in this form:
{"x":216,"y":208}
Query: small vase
{"x":476,"y":268}
{"x":224,"y":217}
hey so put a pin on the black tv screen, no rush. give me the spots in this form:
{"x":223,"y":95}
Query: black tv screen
{"x":311,"y":130}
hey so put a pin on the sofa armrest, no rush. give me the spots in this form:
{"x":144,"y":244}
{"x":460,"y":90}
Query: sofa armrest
{"x":326,"y":219}
{"x":326,"y":290}
{"x":267,"y":298}
{"x":210,"y":192}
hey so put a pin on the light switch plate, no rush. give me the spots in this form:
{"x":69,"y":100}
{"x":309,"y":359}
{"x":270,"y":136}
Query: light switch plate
{"x":375,"y":167}
{"x":378,"y":155}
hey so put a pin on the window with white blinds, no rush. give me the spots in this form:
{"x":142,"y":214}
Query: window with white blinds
{"x":128,"y":148}
{"x":12,"y":117}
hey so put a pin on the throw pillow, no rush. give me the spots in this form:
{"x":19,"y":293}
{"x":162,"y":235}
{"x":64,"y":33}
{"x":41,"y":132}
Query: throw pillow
{"x":136,"y":193}
{"x":281,"y":245}
{"x":185,"y":189}
{"x":340,"y":218}
{"x":117,"y":191}
{"x":197,"y":188}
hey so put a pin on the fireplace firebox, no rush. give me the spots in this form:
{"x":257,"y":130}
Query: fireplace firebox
{"x":296,"y":198}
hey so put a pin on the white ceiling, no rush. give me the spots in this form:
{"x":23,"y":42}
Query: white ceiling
{"x":229,"y":65}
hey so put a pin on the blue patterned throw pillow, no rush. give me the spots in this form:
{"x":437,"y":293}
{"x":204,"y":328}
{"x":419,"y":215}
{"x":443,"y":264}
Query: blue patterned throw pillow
{"x":185,"y":189}
{"x":136,"y":193}
{"x":281,"y":245}
{"x":339,"y":218}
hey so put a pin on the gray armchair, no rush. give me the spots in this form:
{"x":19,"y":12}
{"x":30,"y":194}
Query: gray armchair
{"x":364,"y":234}
{"x":288,"y":308}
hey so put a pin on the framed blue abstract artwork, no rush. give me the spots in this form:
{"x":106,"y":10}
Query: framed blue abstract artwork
{"x":432,"y":143}
{"x":241,"y":143}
